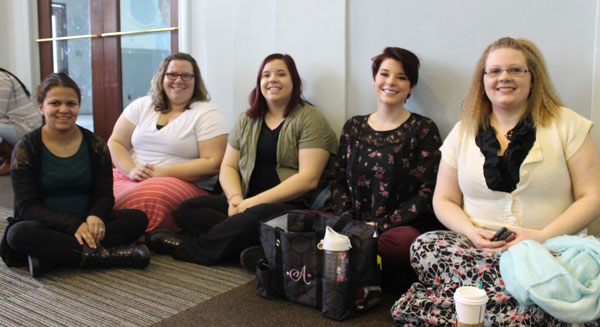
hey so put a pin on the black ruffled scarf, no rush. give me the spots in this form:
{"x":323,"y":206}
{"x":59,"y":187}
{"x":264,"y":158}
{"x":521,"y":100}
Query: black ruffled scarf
{"x":502,"y":172}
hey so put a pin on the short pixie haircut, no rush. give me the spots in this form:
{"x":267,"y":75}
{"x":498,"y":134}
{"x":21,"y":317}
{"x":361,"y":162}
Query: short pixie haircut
{"x":409,"y":62}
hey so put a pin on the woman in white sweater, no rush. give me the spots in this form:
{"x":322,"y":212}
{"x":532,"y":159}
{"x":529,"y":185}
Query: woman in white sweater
{"x":517,"y":159}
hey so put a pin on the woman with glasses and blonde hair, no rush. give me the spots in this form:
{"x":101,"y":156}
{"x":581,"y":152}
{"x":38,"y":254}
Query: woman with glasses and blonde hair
{"x":517,"y":159}
{"x":168,"y":145}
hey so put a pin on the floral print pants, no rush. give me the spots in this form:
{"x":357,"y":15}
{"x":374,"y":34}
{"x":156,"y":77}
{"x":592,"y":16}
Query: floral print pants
{"x":444,"y":261}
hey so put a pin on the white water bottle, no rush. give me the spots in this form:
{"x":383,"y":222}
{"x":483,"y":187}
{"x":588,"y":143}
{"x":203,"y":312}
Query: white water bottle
{"x":336,"y":258}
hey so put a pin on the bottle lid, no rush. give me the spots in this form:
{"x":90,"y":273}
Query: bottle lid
{"x":334,"y":241}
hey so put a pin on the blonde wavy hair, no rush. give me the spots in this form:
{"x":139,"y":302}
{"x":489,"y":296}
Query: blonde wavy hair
{"x":543,"y":103}
{"x":160,"y":101}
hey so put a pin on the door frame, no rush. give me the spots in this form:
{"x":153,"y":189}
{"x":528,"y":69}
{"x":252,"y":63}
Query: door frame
{"x":107,"y":87}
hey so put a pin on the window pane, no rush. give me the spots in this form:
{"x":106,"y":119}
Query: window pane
{"x":73,"y":57}
{"x":141,"y":54}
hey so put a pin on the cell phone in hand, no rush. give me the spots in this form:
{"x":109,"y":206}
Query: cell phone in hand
{"x":504,"y":234}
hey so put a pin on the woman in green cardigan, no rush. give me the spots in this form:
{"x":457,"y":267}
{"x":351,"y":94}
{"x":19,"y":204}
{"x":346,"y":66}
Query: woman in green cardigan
{"x":277,"y":153}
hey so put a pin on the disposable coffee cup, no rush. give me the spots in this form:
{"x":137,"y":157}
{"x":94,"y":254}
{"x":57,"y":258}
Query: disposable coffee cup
{"x":470,"y":306}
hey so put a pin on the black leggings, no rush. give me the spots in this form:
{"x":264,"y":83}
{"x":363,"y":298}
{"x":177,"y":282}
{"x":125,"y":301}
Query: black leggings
{"x":217,"y":237}
{"x":30,"y":237}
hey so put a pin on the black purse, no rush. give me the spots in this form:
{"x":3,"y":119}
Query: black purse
{"x":292,"y":267}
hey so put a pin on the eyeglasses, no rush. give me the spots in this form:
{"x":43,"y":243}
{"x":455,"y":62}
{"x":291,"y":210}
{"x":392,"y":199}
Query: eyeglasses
{"x":513,"y":71}
{"x":184,"y":76}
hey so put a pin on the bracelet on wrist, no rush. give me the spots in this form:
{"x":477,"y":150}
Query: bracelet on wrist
{"x":233,"y":195}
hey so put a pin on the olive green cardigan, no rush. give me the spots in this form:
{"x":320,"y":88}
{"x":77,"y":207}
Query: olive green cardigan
{"x":304,"y":128}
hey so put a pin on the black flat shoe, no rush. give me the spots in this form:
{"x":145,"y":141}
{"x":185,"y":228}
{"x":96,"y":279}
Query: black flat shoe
{"x":249,"y":257}
{"x":36,"y":267}
{"x":163,"y":241}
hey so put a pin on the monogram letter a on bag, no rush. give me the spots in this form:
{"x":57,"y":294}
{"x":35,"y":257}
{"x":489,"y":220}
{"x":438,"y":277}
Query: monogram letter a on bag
{"x":299,"y":258}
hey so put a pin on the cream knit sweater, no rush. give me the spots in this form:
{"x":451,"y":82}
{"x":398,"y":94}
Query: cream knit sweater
{"x":544,"y":190}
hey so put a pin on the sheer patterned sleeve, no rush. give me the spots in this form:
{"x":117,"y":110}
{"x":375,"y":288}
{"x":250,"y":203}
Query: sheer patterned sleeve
{"x":28,"y":201}
{"x":417,"y":210}
{"x":342,"y":199}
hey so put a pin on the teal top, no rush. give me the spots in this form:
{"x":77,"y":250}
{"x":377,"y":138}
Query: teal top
{"x":66,"y":182}
{"x":304,"y":128}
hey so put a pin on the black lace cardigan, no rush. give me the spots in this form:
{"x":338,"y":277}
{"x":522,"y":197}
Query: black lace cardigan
{"x":26,"y":183}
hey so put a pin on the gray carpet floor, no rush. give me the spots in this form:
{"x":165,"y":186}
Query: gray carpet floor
{"x":107,"y":297}
{"x":166,"y":293}
{"x":6,"y":193}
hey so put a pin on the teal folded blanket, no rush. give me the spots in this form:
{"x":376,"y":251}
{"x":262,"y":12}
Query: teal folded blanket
{"x":566,"y":286}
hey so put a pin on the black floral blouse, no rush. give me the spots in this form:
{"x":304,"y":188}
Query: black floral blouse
{"x":388,"y":177}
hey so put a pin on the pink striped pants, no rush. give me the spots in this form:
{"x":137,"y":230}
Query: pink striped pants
{"x":158,"y":197}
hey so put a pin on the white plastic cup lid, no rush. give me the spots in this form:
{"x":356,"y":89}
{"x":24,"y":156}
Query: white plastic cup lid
{"x":334,"y":241}
{"x":470,"y":295}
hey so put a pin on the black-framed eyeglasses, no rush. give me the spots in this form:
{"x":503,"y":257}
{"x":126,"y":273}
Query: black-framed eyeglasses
{"x":184,"y":76}
{"x":513,"y":71}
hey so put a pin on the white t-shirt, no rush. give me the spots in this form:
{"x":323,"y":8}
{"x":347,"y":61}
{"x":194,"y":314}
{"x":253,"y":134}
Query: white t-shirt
{"x":177,"y":141}
{"x":544,"y":190}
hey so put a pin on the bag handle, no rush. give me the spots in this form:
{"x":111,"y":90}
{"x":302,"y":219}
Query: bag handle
{"x":342,"y":222}
{"x":322,"y":197}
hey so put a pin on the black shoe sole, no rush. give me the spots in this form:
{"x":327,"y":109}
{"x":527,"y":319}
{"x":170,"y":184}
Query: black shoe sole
{"x":249,"y":257}
{"x":35,"y":266}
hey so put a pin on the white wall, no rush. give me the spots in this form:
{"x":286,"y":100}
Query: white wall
{"x":18,"y":30}
{"x":230,"y":38}
{"x":332,"y":42}
{"x":449,"y":37}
